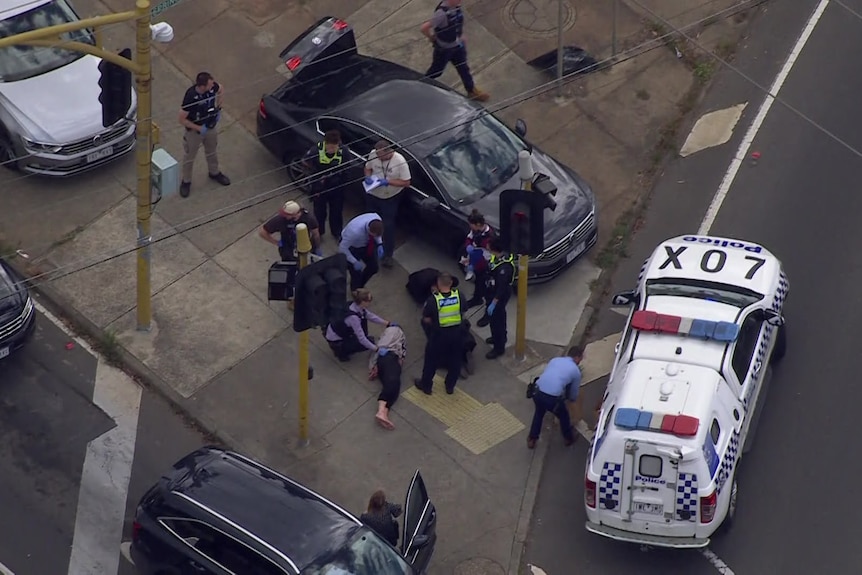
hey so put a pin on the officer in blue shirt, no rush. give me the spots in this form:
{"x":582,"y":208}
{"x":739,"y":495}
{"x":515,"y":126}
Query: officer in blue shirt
{"x":559,"y":383}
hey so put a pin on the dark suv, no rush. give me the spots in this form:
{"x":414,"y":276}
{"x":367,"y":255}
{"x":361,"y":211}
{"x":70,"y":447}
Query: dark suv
{"x":219,"y":512}
{"x":17,"y":314}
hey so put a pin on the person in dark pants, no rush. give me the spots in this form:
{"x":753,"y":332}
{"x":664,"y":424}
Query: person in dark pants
{"x":558,"y":384}
{"x":392,"y":170}
{"x":284,"y":224}
{"x":443,"y":313}
{"x":325,"y":162}
{"x":362,"y":243}
{"x":445,"y":31}
{"x":349,"y":334}
{"x":199,"y":115}
{"x":386,"y":365}
{"x":501,"y":278}
{"x":381,"y":517}
{"x":476,"y":256}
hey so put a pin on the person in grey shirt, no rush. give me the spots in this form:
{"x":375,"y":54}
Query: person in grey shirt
{"x":445,"y":31}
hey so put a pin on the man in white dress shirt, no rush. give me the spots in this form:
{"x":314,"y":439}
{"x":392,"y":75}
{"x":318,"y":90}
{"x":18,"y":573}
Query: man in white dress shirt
{"x":391,"y":167}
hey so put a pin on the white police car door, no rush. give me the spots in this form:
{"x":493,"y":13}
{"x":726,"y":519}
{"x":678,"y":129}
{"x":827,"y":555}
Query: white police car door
{"x":649,"y":495}
{"x":748,"y":360}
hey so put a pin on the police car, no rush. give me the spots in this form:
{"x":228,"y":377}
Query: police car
{"x":705,"y":325}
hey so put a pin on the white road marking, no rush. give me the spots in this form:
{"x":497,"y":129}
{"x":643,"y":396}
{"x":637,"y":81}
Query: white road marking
{"x":534,"y":570}
{"x":125,"y":551}
{"x":747,"y":140}
{"x":5,"y":570}
{"x":712,"y":129}
{"x":107,"y":469}
{"x":720,"y":565}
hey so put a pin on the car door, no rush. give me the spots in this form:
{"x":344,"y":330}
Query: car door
{"x":420,"y":526}
{"x":429,"y":212}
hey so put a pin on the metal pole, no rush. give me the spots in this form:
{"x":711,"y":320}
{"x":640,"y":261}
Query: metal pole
{"x":303,"y":247}
{"x":525,"y":170}
{"x":144,"y":154}
{"x":614,"y":31}
{"x":560,"y":47}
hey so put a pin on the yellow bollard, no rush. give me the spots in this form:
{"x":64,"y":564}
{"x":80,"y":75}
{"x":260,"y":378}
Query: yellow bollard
{"x":303,"y":247}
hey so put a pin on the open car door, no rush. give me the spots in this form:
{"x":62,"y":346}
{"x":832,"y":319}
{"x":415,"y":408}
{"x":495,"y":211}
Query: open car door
{"x":420,"y":526}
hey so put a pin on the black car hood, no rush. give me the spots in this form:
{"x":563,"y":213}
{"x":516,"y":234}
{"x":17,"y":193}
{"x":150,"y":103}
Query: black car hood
{"x":13,"y":296}
{"x":574,"y":199}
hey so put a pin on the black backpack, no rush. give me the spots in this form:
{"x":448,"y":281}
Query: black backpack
{"x":337,"y":324}
{"x":419,"y":284}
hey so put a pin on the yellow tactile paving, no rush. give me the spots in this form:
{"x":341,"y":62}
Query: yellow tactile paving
{"x":450,"y":409}
{"x":485,"y":428}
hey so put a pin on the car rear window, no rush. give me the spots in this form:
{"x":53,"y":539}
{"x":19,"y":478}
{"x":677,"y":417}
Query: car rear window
{"x":364,"y":554}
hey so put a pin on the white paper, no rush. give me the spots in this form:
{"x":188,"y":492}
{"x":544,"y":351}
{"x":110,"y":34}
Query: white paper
{"x":375,"y":183}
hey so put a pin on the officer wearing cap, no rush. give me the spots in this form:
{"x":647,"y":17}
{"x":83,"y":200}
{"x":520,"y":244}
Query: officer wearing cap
{"x":199,"y":115}
{"x":443,"y":314}
{"x":445,"y":31}
{"x":325,"y":162}
{"x":284,"y":224}
{"x":499,"y":283}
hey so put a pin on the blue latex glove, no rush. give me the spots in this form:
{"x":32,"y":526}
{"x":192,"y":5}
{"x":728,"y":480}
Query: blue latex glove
{"x":382,"y":351}
{"x":492,"y":307}
{"x":393,"y":324}
{"x":359,"y":265}
{"x":204,"y":130}
{"x":384,"y":182}
{"x":318,"y":252}
{"x":379,"y":252}
{"x":470,"y":248}
{"x":281,"y":243}
{"x":369,"y":180}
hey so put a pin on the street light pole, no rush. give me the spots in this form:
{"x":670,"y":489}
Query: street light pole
{"x":560,"y":48}
{"x":144,"y":154}
{"x":303,"y":248}
{"x":525,"y":173}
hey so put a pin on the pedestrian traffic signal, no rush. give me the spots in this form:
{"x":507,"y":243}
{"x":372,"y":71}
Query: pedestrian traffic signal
{"x":115,"y":96}
{"x":320,"y":293}
{"x":522,"y":217}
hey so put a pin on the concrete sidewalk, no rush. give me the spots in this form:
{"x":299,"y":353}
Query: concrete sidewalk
{"x":228,"y":357}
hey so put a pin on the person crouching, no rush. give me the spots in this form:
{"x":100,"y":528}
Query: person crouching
{"x":349,"y":334}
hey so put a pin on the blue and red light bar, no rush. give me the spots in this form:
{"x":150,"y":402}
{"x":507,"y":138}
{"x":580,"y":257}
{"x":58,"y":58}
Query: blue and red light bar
{"x":724,"y":331}
{"x":681,"y":425}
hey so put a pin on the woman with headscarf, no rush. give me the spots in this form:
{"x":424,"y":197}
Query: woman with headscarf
{"x":386,"y":364}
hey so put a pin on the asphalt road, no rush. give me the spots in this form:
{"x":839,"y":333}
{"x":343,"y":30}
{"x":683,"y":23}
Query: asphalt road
{"x":47,"y":418}
{"x":800,"y":200}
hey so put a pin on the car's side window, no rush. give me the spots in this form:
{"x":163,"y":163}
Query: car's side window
{"x":221,"y":548}
{"x":743,"y":351}
{"x":419,"y":178}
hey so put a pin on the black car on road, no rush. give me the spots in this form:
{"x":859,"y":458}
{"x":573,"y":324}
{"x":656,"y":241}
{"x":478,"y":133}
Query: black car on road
{"x":17,"y":311}
{"x":219,"y":512}
{"x":461,"y":156}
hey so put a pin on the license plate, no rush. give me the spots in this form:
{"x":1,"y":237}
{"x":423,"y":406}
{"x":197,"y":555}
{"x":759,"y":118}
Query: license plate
{"x":4,"y":351}
{"x":100,"y":155}
{"x":649,"y":508}
{"x":575,"y":252}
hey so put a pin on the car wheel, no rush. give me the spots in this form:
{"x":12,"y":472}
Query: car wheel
{"x":297,"y":173}
{"x":7,"y":155}
{"x":731,"y":508}
{"x":780,"y":344}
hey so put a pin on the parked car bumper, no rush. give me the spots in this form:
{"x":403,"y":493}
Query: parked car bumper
{"x":78,"y":157}
{"x":564,"y":253}
{"x":16,"y":333}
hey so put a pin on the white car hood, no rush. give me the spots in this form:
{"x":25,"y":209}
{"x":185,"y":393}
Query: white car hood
{"x":60,"y":106}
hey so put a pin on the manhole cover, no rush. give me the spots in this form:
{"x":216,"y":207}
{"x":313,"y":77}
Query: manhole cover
{"x":479,"y":566}
{"x":539,"y":18}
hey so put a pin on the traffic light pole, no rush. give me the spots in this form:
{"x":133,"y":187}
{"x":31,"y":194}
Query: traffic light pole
{"x":141,"y":68}
{"x":525,"y":168}
{"x":303,"y":247}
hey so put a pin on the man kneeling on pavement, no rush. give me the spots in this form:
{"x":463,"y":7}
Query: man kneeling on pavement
{"x":558,"y":385}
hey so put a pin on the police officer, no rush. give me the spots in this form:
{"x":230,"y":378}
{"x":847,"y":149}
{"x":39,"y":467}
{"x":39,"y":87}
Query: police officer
{"x":501,"y":278}
{"x":200,"y":112}
{"x":324,"y":161}
{"x":284,"y":224}
{"x":445,"y":31}
{"x":443,"y":313}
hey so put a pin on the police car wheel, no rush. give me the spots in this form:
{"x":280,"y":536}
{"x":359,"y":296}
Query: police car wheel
{"x":731,"y":509}
{"x":780,"y":344}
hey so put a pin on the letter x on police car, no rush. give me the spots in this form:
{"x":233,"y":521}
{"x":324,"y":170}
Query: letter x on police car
{"x":684,"y":392}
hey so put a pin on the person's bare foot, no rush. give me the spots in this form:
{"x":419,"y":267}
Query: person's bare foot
{"x":384,"y":422}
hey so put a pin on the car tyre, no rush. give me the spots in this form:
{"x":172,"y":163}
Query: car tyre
{"x":297,"y":173}
{"x":780,"y":344}
{"x":7,"y":155}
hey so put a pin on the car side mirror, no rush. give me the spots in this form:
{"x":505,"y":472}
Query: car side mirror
{"x":429,"y":204}
{"x":521,"y":127}
{"x":624,"y":299}
{"x":420,"y":541}
{"x":772,"y":317}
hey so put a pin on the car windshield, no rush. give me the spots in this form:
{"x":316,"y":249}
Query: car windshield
{"x":710,"y":291}
{"x":479,"y":160}
{"x":364,"y":554}
{"x":22,"y":62}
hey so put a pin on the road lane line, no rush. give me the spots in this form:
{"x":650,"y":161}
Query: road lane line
{"x":5,"y":570}
{"x":535,"y":570}
{"x":744,"y":146}
{"x":720,"y":565}
{"x":107,"y":469}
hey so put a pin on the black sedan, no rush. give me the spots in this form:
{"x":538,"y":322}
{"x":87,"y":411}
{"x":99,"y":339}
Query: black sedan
{"x":17,"y":313}
{"x":461,"y":156}
{"x":220,"y":513}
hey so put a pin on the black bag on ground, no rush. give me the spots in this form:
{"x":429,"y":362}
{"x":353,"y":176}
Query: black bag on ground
{"x":419,"y":284}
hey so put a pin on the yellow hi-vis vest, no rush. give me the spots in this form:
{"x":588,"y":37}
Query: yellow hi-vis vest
{"x":448,"y":309}
{"x":324,"y":159}
{"x":497,"y":262}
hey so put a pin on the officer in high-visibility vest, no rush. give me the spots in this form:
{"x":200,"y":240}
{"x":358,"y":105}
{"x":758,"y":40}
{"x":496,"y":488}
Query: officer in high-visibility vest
{"x":443,"y":314}
{"x":500,"y":280}
{"x":325,"y":162}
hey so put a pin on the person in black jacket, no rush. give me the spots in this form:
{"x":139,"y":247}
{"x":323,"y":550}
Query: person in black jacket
{"x":501,"y":279}
{"x":443,"y":315}
{"x":381,"y":517}
{"x":327,"y":161}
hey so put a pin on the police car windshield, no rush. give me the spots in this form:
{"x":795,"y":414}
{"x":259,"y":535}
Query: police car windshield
{"x":22,"y":62}
{"x":478,"y":160}
{"x":710,"y":291}
{"x":364,"y":554}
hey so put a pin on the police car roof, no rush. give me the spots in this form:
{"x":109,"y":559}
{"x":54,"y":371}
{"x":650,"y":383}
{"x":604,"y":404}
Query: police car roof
{"x":717,"y":260}
{"x":11,"y":8}
{"x":669,"y":388}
